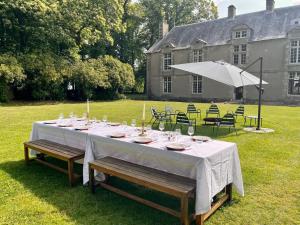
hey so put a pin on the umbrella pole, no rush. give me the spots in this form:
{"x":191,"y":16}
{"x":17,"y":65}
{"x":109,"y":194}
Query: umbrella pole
{"x":259,"y":95}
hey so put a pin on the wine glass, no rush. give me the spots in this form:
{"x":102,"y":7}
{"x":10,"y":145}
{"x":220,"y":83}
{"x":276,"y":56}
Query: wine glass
{"x":124,"y":123}
{"x":71,"y":115}
{"x":60,"y":118}
{"x":191,"y":130}
{"x":133,"y":122}
{"x":104,"y":119}
{"x":177,"y":133}
{"x":161,"y":126}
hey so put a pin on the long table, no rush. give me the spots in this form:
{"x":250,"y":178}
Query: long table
{"x":212,"y":164}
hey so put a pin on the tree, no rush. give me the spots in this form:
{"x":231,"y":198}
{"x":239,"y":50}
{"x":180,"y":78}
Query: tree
{"x":11,"y":73}
{"x":176,"y":12}
{"x":87,"y":22}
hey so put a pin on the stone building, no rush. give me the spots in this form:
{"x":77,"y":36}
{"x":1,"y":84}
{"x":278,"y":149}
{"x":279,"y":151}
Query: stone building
{"x":272,"y":33}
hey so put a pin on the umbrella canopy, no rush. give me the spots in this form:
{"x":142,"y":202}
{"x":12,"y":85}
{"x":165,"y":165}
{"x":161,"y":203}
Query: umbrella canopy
{"x":220,"y":71}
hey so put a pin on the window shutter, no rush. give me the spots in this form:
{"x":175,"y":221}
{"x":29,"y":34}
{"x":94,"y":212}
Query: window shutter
{"x":161,"y":85}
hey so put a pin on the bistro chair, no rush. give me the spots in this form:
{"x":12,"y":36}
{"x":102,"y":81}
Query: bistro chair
{"x":191,"y":109}
{"x":170,"y":111}
{"x":213,"y":109}
{"x":158,"y":117}
{"x":228,"y":120}
{"x":183,"y":120}
{"x":240,"y":111}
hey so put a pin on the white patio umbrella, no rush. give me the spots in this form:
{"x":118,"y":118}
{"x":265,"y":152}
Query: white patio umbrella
{"x":222,"y":72}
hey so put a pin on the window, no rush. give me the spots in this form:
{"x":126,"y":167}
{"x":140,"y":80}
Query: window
{"x":236,"y":48}
{"x":240,"y":54}
{"x":167,"y":61}
{"x":235,"y":59}
{"x":244,"y":33}
{"x":240,"y":34}
{"x":244,"y":48}
{"x":197,"y":84}
{"x":294,"y":83}
{"x":198,"y":55}
{"x":167,"y":85}
{"x":243,"y":58}
{"x":295,"y":51}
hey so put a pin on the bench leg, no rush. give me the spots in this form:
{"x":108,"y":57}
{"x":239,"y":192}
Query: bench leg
{"x":200,"y":219}
{"x":92,"y":179}
{"x":71,"y":172}
{"x":185,"y":210}
{"x":229,"y":192}
{"x":26,"y":154}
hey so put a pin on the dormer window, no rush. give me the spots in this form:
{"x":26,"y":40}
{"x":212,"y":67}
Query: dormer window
{"x":240,"y":34}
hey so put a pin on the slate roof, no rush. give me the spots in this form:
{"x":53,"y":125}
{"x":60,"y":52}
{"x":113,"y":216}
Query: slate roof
{"x":264,"y":25}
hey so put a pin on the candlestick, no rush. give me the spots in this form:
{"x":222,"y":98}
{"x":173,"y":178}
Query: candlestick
{"x":144,"y":112}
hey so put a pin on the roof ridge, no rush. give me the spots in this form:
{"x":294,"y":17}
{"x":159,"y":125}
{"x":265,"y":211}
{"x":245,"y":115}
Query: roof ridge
{"x":226,"y":18}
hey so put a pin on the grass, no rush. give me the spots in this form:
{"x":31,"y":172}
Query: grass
{"x":38,"y":195}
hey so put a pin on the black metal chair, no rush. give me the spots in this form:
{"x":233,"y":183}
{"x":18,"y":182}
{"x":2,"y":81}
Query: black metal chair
{"x":228,"y":121}
{"x":240,"y":111}
{"x":169,"y":111}
{"x":183,"y":120}
{"x":213,"y":109}
{"x":191,"y":109}
{"x":158,"y":117}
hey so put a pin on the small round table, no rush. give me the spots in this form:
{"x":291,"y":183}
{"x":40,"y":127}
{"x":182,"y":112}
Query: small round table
{"x":255,"y":118}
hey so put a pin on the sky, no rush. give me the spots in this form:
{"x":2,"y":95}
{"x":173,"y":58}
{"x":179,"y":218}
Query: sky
{"x":247,"y":6}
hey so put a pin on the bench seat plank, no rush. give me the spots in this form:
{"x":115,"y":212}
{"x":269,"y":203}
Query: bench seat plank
{"x":159,"y":180}
{"x":58,"y":151}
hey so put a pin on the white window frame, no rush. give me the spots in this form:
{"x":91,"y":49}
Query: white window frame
{"x":240,"y":34}
{"x":197,"y":84}
{"x":198,"y":55}
{"x":292,"y":76}
{"x":240,"y":54}
{"x":167,"y":61}
{"x":167,"y":84}
{"x":294,"y":52}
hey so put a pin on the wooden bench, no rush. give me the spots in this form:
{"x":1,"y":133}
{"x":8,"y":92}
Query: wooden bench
{"x":174,"y":185}
{"x":58,"y":151}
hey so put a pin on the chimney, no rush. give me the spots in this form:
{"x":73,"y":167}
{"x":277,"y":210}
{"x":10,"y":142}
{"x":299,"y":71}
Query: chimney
{"x":163,"y":28}
{"x":270,"y":4}
{"x":231,"y":11}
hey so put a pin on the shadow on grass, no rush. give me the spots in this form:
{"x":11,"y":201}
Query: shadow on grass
{"x":85,"y":208}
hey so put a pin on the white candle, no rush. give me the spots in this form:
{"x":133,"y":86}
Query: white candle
{"x":144,"y":111}
{"x":87,"y":106}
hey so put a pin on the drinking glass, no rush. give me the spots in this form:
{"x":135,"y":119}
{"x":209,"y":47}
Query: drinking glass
{"x":133,"y":122}
{"x":177,"y":133}
{"x":124,"y":123}
{"x":104,"y":119}
{"x":191,"y":130}
{"x":71,"y":115}
{"x":84,"y":116}
{"x":149,"y":127}
{"x":161,"y":126}
{"x":60,"y":118}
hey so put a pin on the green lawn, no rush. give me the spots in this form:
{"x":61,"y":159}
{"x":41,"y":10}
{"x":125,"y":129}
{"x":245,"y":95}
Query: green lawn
{"x":38,"y":195}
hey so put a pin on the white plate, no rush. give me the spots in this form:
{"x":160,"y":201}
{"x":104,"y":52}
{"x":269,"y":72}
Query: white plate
{"x":176,"y":147}
{"x":81,"y":128}
{"x":143,"y":140}
{"x":201,"y":138}
{"x":113,"y":124}
{"x":117,"y":135}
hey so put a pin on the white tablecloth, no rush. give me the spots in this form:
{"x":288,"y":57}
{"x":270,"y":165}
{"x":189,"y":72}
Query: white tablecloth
{"x":212,"y":164}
